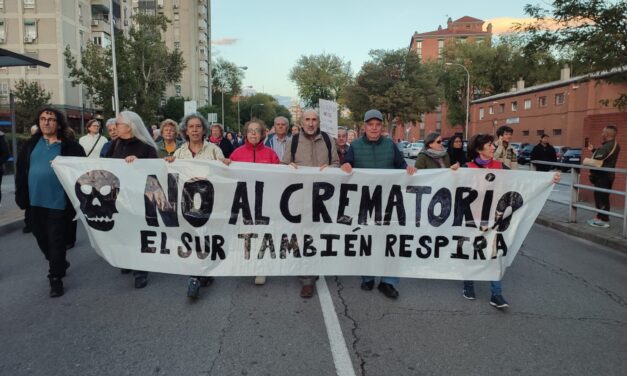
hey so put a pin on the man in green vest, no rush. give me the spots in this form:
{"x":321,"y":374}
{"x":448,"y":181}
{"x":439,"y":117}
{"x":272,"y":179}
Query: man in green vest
{"x":372,"y":150}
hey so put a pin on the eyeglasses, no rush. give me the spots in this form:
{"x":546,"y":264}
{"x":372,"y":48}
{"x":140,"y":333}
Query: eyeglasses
{"x":47,"y":120}
{"x":253,"y":131}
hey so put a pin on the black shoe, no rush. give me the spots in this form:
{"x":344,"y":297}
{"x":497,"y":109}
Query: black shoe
{"x":388,"y":290}
{"x":367,"y":286}
{"x":498,"y":301}
{"x":469,"y":293}
{"x":125,"y":271}
{"x":69,"y":246}
{"x":56,"y":287}
{"x":205,"y":281}
{"x":141,"y":282}
{"x":26,"y":230}
{"x":193,"y":288}
{"x":67,"y":265}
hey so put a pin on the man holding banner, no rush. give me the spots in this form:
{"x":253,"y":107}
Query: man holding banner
{"x":375,"y":151}
{"x":313,"y":148}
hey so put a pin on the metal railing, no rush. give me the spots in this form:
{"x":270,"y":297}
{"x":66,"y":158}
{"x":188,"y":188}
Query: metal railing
{"x":576,"y":186}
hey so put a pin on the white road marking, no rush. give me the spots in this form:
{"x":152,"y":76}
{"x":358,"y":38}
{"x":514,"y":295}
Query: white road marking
{"x":341,"y":357}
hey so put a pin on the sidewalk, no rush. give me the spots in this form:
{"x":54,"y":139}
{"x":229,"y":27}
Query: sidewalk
{"x":553,"y":214}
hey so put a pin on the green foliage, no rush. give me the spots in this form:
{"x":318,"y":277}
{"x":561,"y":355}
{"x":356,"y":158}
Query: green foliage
{"x":270,"y":109}
{"x":321,"y":76}
{"x":591,"y":34}
{"x":396,"y":83}
{"x":227,"y":77}
{"x":29,"y":97}
{"x":174,"y":108}
{"x":144,"y":67}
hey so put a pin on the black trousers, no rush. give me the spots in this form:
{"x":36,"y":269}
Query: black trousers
{"x":49,"y":228}
{"x":602,"y":199}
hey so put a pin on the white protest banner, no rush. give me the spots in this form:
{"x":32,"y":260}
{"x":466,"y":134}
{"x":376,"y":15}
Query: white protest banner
{"x":189,"y":107}
{"x":328,"y":117}
{"x":205,"y":218}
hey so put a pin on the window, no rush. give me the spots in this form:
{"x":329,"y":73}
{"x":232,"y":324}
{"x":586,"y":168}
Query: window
{"x":419,"y":48}
{"x":539,"y":132}
{"x":462,"y":40}
{"x":422,"y":134}
{"x":501,"y":108}
{"x":4,"y":89}
{"x":176,"y":16}
{"x":479,"y":40}
{"x":30,"y":31}
{"x":557,"y":132}
{"x":178,"y":90}
{"x":177,"y":45}
{"x":98,"y":41}
{"x":527,"y":104}
{"x":481,"y":114}
{"x":542,"y":102}
{"x":438,"y":126}
{"x":3,"y":31}
{"x":515,"y":106}
{"x":559,"y":99}
{"x":1,"y":4}
{"x":440,"y":47}
{"x":491,"y":110}
{"x":29,"y":4}
{"x":525,"y":133}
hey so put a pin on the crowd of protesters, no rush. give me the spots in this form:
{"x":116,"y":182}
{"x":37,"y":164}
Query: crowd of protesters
{"x":52,"y":216}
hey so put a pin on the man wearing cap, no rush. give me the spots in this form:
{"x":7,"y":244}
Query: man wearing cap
{"x":372,"y":150}
{"x":313,"y":148}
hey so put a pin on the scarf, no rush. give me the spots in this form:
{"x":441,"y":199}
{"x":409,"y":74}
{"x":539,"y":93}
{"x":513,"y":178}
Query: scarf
{"x":482,"y":162}
{"x":215,"y":140}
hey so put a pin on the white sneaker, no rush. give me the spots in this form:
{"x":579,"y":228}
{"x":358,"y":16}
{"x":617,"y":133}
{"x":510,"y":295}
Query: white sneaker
{"x":598,"y":223}
{"x":260,"y":280}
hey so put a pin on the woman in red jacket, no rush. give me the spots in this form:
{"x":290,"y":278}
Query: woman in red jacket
{"x":481,"y":155}
{"x":254,"y":151}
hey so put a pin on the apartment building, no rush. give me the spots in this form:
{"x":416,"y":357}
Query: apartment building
{"x":189,"y":33}
{"x":429,"y":46}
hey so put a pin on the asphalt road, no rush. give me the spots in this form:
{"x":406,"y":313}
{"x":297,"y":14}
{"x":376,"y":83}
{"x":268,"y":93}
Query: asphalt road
{"x":568,"y":316}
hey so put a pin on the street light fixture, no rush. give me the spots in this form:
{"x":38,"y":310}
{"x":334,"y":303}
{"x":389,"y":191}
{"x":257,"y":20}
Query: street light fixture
{"x":467,"y":94}
{"x":253,"y":106}
{"x":239,"y":129}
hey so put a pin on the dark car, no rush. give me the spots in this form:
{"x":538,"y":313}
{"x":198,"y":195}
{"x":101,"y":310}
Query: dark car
{"x":571,"y":156}
{"x":524,"y":156}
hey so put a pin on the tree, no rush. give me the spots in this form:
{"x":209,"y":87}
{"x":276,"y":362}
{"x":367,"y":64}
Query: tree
{"x":144,"y":65}
{"x":29,"y":97}
{"x":321,"y":76}
{"x":592,"y":34}
{"x":174,"y":108}
{"x":396,"y":83}
{"x":266,"y":108}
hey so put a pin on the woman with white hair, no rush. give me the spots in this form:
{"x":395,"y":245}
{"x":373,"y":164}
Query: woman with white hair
{"x":194,"y":128}
{"x":133,"y":142}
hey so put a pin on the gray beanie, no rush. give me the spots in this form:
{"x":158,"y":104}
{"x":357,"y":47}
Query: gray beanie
{"x":431,"y":137}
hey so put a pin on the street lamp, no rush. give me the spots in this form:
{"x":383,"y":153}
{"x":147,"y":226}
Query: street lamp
{"x":253,"y":106}
{"x":467,"y":94}
{"x":239,"y":129}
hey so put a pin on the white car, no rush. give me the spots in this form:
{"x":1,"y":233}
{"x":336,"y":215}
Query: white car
{"x":413,"y":149}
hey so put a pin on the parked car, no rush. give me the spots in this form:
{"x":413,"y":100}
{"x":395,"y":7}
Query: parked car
{"x":571,"y":156}
{"x":413,"y":150}
{"x":524,"y":156}
{"x":559,"y":151}
{"x":517,"y":146}
{"x":401,"y":145}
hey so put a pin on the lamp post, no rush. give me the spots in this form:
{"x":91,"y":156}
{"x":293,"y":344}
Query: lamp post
{"x":253,"y":106}
{"x":467,"y":94}
{"x":239,"y":124}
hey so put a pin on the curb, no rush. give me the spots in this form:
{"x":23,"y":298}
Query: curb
{"x":11,"y":226}
{"x":617,"y":244}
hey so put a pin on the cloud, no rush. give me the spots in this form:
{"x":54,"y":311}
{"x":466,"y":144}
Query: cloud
{"x":503,"y":25}
{"x":224,"y":41}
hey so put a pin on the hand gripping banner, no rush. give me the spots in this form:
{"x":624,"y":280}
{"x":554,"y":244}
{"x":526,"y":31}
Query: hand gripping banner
{"x":206,"y":218}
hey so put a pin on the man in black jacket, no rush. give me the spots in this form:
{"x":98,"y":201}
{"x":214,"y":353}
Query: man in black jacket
{"x":37,"y":187}
{"x":4,"y":156}
{"x":543,"y":152}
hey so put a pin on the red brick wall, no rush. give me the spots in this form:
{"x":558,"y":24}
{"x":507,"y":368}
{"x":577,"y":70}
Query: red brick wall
{"x":592,"y":127}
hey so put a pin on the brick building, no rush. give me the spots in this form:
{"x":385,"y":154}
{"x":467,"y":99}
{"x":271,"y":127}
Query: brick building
{"x":429,"y":46}
{"x":569,"y":110}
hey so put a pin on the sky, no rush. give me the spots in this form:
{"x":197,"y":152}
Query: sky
{"x":269,"y":36}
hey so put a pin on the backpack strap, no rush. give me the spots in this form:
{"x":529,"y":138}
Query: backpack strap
{"x":325,"y":137}
{"x":294,"y":145}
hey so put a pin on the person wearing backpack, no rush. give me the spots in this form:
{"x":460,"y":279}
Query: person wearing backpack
{"x":312,"y":148}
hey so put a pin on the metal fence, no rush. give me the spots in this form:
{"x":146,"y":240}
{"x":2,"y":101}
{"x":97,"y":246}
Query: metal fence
{"x":576,"y":186}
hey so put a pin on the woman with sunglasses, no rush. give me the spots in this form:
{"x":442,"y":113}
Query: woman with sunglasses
{"x":433,"y":154}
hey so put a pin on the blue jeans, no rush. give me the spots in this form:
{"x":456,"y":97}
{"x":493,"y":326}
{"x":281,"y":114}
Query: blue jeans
{"x":495,"y":286}
{"x":394,"y":281}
